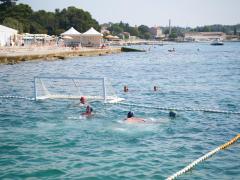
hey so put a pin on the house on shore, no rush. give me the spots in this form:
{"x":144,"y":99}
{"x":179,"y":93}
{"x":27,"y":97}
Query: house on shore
{"x":204,"y":36}
{"x":157,"y":32}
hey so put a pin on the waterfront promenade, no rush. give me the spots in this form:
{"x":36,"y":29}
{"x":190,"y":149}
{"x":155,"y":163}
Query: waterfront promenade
{"x":12,"y":55}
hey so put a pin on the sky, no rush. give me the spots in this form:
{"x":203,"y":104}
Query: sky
{"x":185,"y":13}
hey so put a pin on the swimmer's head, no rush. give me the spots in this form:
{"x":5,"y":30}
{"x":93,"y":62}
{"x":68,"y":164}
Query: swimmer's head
{"x":83,"y":100}
{"x":125,"y":89}
{"x":89,"y":109}
{"x":172,"y":114}
{"x":130,"y":114}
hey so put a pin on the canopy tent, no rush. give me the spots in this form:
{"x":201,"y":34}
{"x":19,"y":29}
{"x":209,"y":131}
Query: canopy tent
{"x":71,"y":32}
{"x":72,"y":37}
{"x":91,"y":38}
{"x":7,"y":35}
{"x":92,"y":32}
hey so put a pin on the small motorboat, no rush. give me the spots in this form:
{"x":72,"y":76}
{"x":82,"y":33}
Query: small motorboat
{"x":217,"y":42}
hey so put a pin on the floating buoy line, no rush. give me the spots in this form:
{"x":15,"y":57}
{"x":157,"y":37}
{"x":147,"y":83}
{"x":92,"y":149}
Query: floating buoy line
{"x":202,"y":158}
{"x":179,"y":109}
{"x":17,"y":97}
{"x":144,"y":106}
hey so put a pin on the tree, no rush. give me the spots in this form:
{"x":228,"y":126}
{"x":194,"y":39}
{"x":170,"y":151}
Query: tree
{"x":235,"y":30}
{"x":144,"y":32}
{"x":13,"y":23}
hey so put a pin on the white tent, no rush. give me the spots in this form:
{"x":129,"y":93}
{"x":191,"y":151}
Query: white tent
{"x":72,"y":37}
{"x":7,"y":35}
{"x":71,"y":32}
{"x":91,"y":38}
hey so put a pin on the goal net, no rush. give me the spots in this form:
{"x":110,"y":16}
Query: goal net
{"x":74,"y":88}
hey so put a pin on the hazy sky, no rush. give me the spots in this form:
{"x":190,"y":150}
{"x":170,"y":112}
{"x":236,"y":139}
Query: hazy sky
{"x":152,"y":12}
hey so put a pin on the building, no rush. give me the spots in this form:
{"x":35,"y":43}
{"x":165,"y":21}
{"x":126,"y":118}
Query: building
{"x":204,"y":36}
{"x":92,"y":38}
{"x":72,"y":37}
{"x":157,"y":32}
{"x":8,"y":36}
{"x":36,"y":39}
{"x":104,"y":30}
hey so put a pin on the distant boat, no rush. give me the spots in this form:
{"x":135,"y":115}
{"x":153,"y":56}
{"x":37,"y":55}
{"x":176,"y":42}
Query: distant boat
{"x":217,"y":42}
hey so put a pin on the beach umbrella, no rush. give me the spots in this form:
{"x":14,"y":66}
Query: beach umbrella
{"x":67,"y":37}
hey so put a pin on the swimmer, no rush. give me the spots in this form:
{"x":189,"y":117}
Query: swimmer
{"x":82,"y":100}
{"x":155,"y":88}
{"x":132,"y":119}
{"x":88,"y":112}
{"x":125,"y":89}
{"x":172,"y":114}
{"x":171,"y":50}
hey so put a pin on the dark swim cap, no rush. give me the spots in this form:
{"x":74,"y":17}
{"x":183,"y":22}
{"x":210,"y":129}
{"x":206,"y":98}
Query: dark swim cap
{"x":130,"y":114}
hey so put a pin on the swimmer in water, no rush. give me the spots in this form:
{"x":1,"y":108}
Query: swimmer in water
{"x":132,"y":119}
{"x":172,"y":114}
{"x":82,"y":100}
{"x":125,"y":89}
{"x":88,"y":111}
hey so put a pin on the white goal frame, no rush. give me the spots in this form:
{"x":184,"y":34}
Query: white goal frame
{"x":105,"y":98}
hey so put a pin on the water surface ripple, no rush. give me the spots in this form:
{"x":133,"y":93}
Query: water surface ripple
{"x":51,"y":140}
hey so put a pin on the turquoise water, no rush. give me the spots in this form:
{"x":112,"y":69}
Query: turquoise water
{"x":51,"y":140}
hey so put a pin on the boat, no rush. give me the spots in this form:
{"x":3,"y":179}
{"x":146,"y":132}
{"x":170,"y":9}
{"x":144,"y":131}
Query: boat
{"x":217,"y":42}
{"x":127,"y":49}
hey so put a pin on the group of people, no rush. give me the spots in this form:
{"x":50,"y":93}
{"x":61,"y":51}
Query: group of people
{"x":125,"y":88}
{"x":130,"y":116}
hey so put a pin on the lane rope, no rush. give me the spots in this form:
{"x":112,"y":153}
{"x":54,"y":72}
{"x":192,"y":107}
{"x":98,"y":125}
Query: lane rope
{"x":17,"y":97}
{"x":180,"y":109}
{"x":201,"y":159}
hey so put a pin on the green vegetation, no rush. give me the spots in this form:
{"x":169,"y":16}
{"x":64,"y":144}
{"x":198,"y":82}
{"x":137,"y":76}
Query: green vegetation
{"x":119,"y":28}
{"x":24,"y":19}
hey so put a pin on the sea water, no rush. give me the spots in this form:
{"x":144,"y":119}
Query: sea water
{"x":51,"y":140}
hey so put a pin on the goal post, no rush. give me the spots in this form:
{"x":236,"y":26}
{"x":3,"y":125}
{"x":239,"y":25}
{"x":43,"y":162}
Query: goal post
{"x":74,"y":88}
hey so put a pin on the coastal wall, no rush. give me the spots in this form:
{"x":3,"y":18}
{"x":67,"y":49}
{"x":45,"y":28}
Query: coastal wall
{"x":12,"y":57}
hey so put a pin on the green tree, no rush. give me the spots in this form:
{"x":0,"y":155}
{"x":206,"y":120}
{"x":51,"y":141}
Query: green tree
{"x":144,"y":32}
{"x":13,"y":23}
{"x":116,"y":29}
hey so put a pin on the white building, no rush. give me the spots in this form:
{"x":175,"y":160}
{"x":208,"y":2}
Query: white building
{"x":157,"y":32}
{"x":92,"y":38}
{"x":36,"y":39}
{"x":204,"y":36}
{"x":7,"y":36}
{"x":72,"y":37}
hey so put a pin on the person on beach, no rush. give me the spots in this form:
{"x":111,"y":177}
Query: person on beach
{"x":131,"y":119}
{"x":88,"y":111}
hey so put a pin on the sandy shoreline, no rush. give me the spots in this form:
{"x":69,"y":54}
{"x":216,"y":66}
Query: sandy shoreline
{"x":18,"y":54}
